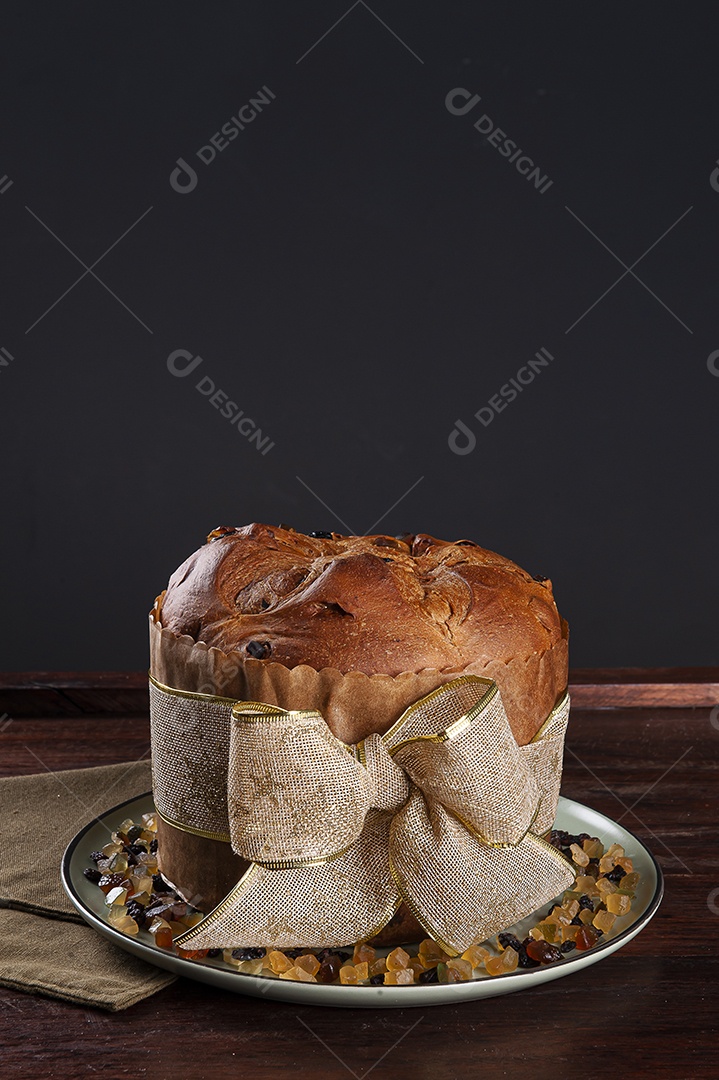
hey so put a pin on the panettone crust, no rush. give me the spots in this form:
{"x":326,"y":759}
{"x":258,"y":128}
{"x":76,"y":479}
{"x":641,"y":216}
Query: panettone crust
{"x":376,"y":605}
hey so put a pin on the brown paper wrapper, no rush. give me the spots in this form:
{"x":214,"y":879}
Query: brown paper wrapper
{"x":354,"y":704}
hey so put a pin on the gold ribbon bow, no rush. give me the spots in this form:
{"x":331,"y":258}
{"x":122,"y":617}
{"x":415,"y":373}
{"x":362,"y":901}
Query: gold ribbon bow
{"x":443,"y":812}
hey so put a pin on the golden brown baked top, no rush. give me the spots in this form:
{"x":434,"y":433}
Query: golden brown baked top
{"x":375,"y":604}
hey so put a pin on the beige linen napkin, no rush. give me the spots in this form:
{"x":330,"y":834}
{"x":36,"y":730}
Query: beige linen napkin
{"x":45,"y":946}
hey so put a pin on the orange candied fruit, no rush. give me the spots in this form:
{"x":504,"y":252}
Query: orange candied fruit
{"x":163,"y":938}
{"x":364,"y":954}
{"x":279,"y":962}
{"x":476,"y":955}
{"x":397,"y":960}
{"x":297,"y":974}
{"x":399,"y":977}
{"x":431,"y":953}
{"x":308,"y":963}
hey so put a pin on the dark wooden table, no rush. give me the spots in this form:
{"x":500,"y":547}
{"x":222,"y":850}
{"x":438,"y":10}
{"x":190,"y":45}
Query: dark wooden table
{"x":642,"y":747}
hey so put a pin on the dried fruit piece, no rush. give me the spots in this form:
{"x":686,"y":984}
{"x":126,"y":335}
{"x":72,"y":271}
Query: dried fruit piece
{"x":309,"y":963}
{"x":462,"y":968}
{"x":432,"y":953}
{"x":594,"y":848}
{"x":278,"y":962}
{"x":477,"y":954}
{"x":618,"y":903}
{"x":362,"y":971}
{"x":348,"y":975}
{"x":543,"y":952}
{"x":397,"y":960}
{"x":117,"y":896}
{"x":604,"y":921}
{"x":399,"y":977}
{"x":579,"y":855}
{"x":329,"y":969}
{"x":163,"y":938}
{"x":586,"y":938}
{"x":364,"y":953}
{"x":630,"y":881}
{"x":297,"y":974}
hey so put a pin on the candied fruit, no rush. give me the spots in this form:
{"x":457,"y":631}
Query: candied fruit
{"x":462,"y":967}
{"x":362,"y":971}
{"x":399,"y":977}
{"x":127,"y":925}
{"x":593,"y":848}
{"x":163,"y":937}
{"x":309,"y":963}
{"x":348,"y":975}
{"x":604,"y":921}
{"x":397,"y":960}
{"x":250,"y":967}
{"x":630,"y":881}
{"x":380,"y":966}
{"x":278,"y":961}
{"x":618,"y":903}
{"x":432,"y":953}
{"x":579,"y":856}
{"x":586,"y":938}
{"x":477,"y":954}
{"x":118,"y":895}
{"x":543,"y":952}
{"x":364,"y":953}
{"x":297,"y":974}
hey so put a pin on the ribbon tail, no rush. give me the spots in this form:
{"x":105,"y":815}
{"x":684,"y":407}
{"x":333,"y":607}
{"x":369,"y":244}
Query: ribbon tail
{"x":331,"y":903}
{"x":461,"y":890}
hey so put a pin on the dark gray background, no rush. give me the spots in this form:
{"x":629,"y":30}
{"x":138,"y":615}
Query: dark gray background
{"x":358,"y":270}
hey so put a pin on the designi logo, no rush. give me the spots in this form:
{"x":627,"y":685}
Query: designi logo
{"x":184,"y":178}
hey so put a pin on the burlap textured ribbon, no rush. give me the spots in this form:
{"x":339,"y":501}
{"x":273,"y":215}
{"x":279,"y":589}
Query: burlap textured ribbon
{"x":443,"y":812}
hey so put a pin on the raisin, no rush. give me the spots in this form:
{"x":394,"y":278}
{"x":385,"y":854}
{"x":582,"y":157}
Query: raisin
{"x":248,"y":954}
{"x":96,"y":856}
{"x":153,"y":846}
{"x":525,"y":960}
{"x":259,"y":650}
{"x":136,"y":912}
{"x":137,"y":849}
{"x":429,"y":976}
{"x":567,"y":946}
{"x":111,"y":881}
{"x":214,"y":953}
{"x":377,"y":980}
{"x":615,"y":875}
{"x":159,"y":884}
{"x":510,"y":941}
{"x":134,"y":833}
{"x":329,"y":970}
{"x":586,"y":902}
{"x":92,"y":875}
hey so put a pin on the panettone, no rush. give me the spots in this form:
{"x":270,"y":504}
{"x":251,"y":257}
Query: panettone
{"x":358,"y":628}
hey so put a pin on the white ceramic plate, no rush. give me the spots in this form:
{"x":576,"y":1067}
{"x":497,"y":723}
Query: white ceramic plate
{"x":572,"y":816}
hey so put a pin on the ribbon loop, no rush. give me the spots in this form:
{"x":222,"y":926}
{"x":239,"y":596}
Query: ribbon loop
{"x":295,"y":793}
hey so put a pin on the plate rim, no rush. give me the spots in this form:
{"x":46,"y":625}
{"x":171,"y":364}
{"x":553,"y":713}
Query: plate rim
{"x":263,"y":986}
